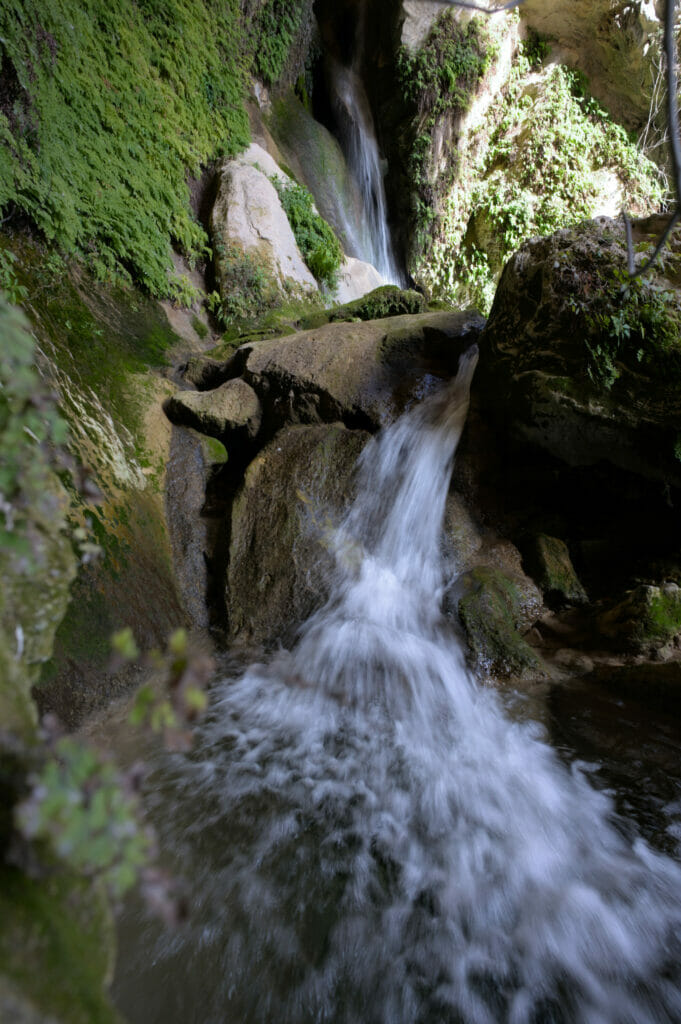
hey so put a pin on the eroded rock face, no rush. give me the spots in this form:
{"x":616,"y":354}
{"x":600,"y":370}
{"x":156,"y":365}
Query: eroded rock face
{"x":293,"y":492}
{"x":612,"y":43}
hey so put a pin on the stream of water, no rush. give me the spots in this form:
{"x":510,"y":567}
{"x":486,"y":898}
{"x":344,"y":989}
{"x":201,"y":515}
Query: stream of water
{"x":371,"y":237}
{"x":368,"y":837}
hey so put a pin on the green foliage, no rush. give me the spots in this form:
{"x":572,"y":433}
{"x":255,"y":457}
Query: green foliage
{"x":552,"y":156}
{"x":442,"y":75}
{"x":80,"y":807}
{"x":106,"y":107}
{"x":275,"y":28}
{"x":628,"y":322}
{"x":315,"y":238}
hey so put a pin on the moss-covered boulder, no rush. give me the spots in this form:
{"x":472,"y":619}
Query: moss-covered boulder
{"x":388,"y":300}
{"x":582,"y":362}
{"x":104,"y":352}
{"x":255,"y":248}
{"x":492,"y":614}
{"x":647,"y":617}
{"x":279,"y":563}
{"x":548,"y":561}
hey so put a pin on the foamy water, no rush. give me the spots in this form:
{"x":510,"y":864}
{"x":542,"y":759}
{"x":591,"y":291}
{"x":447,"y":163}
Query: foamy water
{"x":369,"y":838}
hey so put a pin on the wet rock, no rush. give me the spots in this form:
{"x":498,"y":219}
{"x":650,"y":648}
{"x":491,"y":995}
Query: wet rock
{"x":279,"y":562}
{"x":195,"y":518}
{"x":491,"y":613}
{"x":548,"y":561}
{"x":231,"y":411}
{"x":648,"y":617}
{"x":361,"y":373}
{"x":653,"y":682}
{"x":316,"y":159}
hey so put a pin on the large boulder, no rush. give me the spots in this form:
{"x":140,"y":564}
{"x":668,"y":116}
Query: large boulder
{"x":361,"y":373}
{"x":583,"y":363}
{"x":248,"y":223}
{"x":279,"y":562}
{"x":356,"y":279}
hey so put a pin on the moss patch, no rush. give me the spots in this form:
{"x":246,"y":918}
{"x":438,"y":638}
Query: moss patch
{"x":490,"y":614}
{"x":56,"y":943}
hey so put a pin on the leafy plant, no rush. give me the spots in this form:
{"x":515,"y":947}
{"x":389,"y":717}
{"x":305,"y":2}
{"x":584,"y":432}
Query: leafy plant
{"x":85,"y":810}
{"x":316,"y":239}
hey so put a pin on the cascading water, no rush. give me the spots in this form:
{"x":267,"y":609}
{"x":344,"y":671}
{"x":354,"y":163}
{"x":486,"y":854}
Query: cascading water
{"x":358,"y":140}
{"x":369,"y":838}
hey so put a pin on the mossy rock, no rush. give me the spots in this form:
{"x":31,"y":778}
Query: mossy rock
{"x":388,"y":300}
{"x":490,"y":613}
{"x":56,"y":950}
{"x":648,"y":617}
{"x":548,"y":561}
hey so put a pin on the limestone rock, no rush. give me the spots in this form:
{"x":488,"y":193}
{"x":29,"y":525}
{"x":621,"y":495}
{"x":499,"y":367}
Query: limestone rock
{"x":362,"y":373}
{"x":549,"y":563}
{"x":248,"y":216}
{"x":612,"y":43}
{"x":292,"y":494}
{"x":195,"y":521}
{"x":317,"y":160}
{"x":231,"y":410}
{"x":355,"y":279}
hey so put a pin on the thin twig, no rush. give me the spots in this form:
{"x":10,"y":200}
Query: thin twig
{"x":485,"y":10}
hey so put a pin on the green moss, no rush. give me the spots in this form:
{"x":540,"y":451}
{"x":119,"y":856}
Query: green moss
{"x":315,"y":238}
{"x":108,"y":106}
{"x":490,"y":614}
{"x":275,"y":29}
{"x":389,"y":300}
{"x":56,"y":944}
{"x":548,"y":562}
{"x":662,"y":615}
{"x":200,"y":328}
{"x":440,"y":79}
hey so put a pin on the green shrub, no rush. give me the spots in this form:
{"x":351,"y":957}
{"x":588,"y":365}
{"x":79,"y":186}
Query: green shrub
{"x":315,"y":238}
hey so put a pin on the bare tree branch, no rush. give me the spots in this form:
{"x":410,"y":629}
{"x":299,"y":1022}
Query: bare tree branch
{"x":485,"y":10}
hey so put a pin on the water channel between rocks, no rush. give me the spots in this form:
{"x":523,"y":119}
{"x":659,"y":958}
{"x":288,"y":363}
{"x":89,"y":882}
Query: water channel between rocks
{"x":369,"y":835}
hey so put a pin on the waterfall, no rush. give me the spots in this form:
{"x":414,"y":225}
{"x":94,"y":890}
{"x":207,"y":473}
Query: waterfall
{"x":358,"y":141}
{"x":369,"y":838}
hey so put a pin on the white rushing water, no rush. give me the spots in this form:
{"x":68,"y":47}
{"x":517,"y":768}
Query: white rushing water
{"x":369,"y":838}
{"x":371,"y":237}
